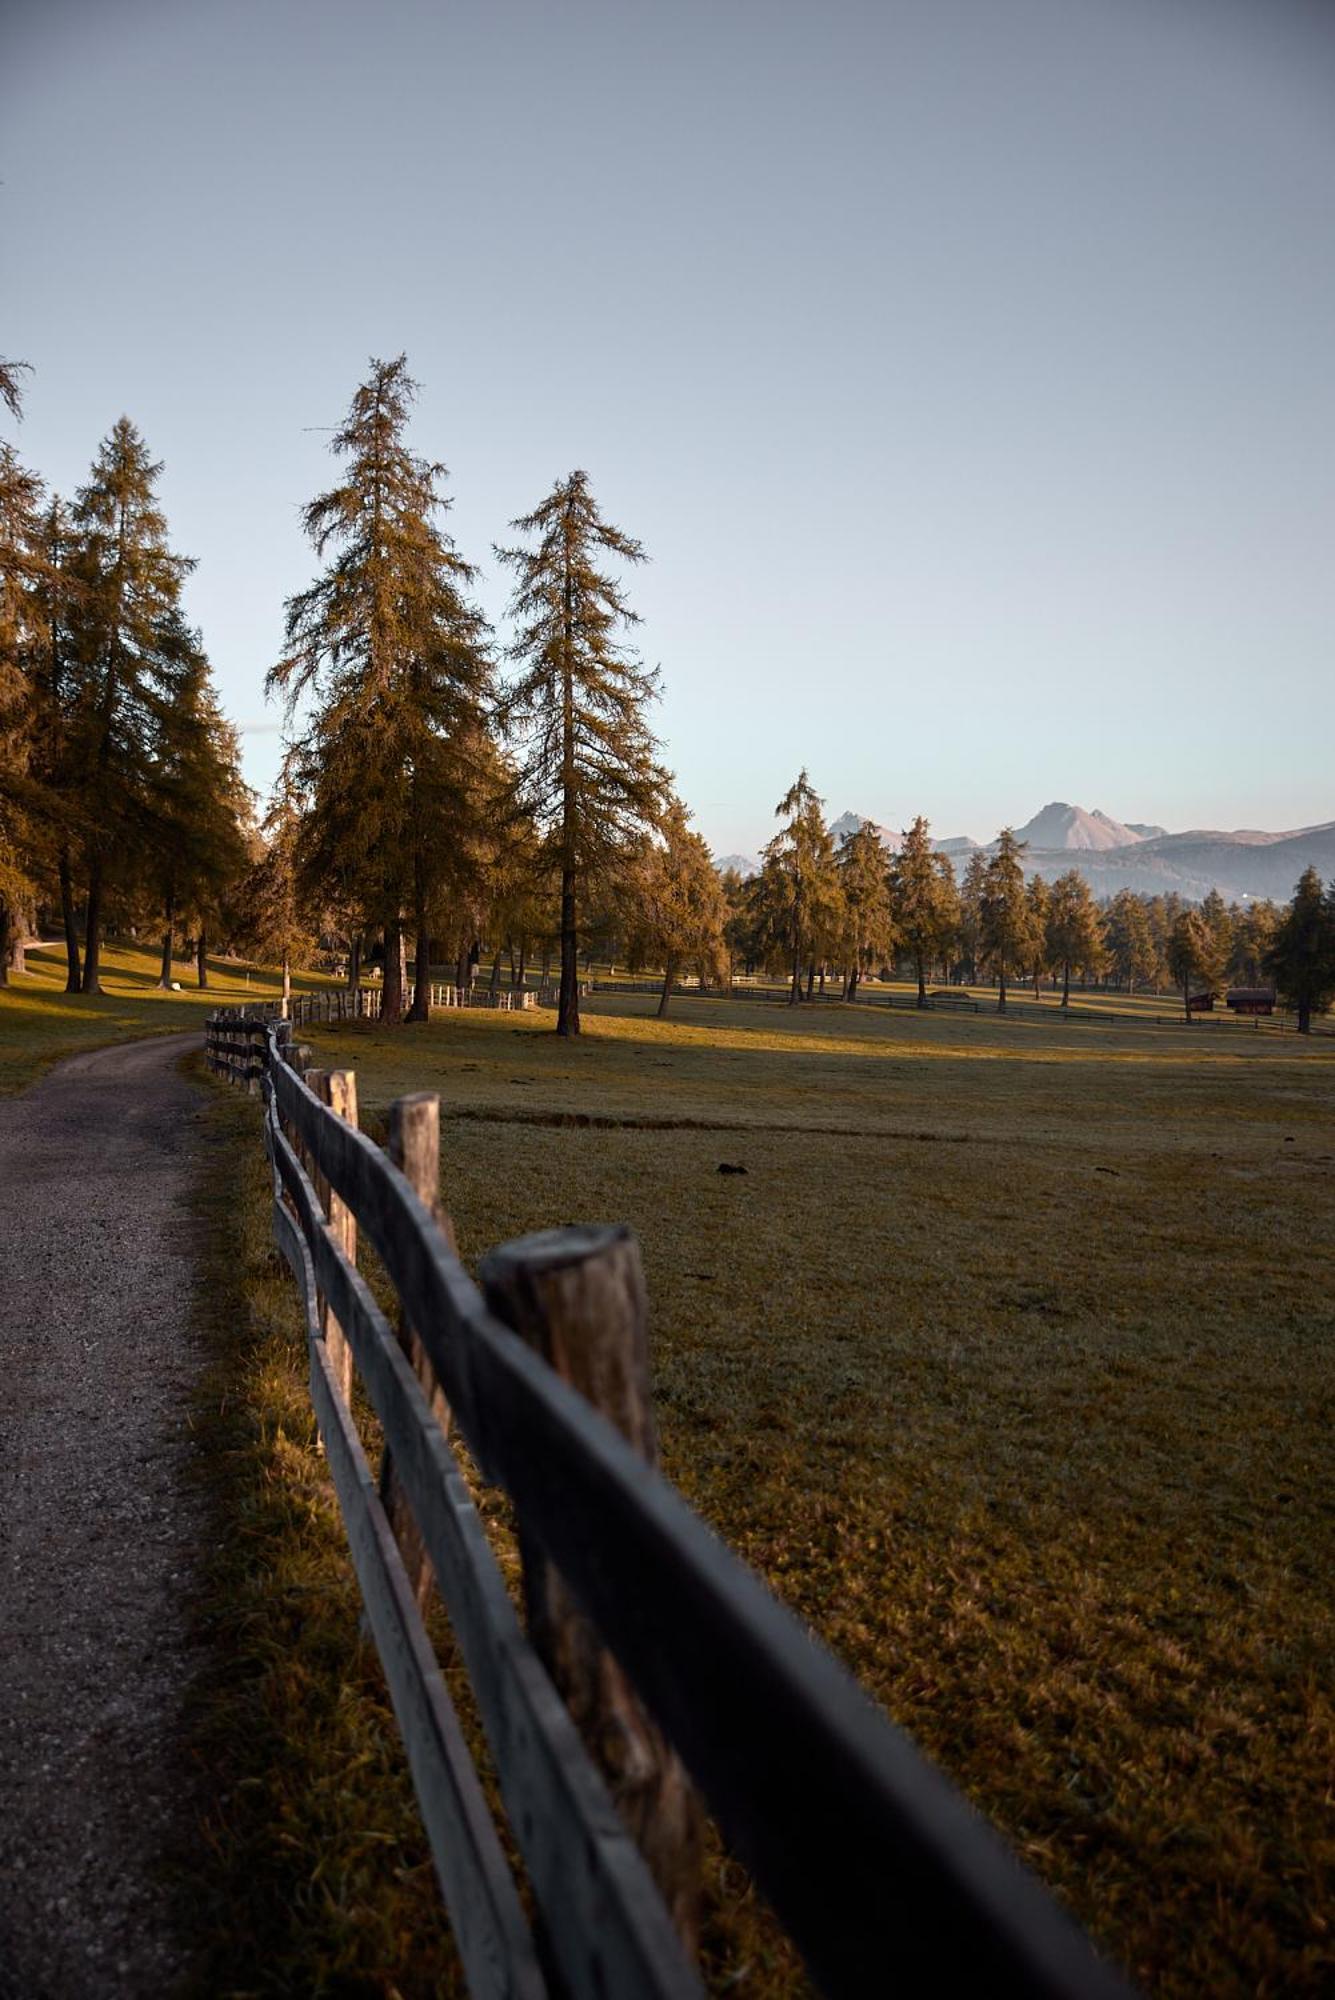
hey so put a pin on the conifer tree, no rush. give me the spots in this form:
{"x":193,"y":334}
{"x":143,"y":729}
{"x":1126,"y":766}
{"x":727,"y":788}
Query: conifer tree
{"x":1193,"y":955}
{"x":131,"y":654}
{"x":392,"y":656}
{"x":1073,"y":933}
{"x":1039,"y":899}
{"x":797,"y":893}
{"x":924,"y":900}
{"x":20,"y":644}
{"x":56,"y":696}
{"x":1301,"y":960}
{"x":1004,"y":918}
{"x":1130,"y":939}
{"x":868,"y":927}
{"x":971,"y":912}
{"x":579,"y":707}
{"x":681,"y":906}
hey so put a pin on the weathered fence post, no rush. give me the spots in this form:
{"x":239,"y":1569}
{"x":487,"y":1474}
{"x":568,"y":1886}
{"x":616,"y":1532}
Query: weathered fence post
{"x":578,"y":1297}
{"x":414,"y":1148}
{"x":338,"y":1089}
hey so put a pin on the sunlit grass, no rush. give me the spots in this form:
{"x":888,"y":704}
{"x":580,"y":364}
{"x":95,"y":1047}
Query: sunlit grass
{"x":40,"y":1022}
{"x":1012,"y":1375}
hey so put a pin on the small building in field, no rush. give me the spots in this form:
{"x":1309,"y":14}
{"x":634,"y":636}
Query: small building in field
{"x":1200,"y":1003}
{"x":1251,"y":999}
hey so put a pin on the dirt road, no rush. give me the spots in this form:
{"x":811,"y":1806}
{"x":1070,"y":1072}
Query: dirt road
{"x":97,"y":1531}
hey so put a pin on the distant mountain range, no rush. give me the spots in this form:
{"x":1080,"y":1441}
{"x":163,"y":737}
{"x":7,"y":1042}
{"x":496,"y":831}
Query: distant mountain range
{"x":1115,"y":854}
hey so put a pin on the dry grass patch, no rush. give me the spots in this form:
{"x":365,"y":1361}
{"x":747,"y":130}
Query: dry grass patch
{"x":1033,"y":1426}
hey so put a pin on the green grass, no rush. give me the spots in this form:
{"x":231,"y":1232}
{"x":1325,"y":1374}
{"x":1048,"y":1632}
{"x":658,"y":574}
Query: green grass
{"x":40,"y":1023}
{"x":1008,"y":1363}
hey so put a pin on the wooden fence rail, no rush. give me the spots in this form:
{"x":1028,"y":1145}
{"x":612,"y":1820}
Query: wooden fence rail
{"x":885,"y":1878}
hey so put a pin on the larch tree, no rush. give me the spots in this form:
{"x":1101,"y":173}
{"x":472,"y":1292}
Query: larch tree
{"x":797,"y":892}
{"x":56,"y":694}
{"x":924,"y":900}
{"x":1193,"y":956}
{"x":578,"y":710}
{"x":868,"y":926}
{"x":1129,"y":935}
{"x":391,"y":658}
{"x":1254,"y":932}
{"x":682,"y":909}
{"x":130,"y":650}
{"x":21,"y":647}
{"x":972,"y":886}
{"x":1301,"y":960}
{"x":1039,"y":898}
{"x":1073,"y":930}
{"x":1005,"y":921}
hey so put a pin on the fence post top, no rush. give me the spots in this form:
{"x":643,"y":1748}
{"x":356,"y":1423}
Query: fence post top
{"x":555,"y":1249}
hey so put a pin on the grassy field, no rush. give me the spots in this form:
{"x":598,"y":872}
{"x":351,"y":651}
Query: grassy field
{"x":1007,"y":1361}
{"x":40,"y":1022}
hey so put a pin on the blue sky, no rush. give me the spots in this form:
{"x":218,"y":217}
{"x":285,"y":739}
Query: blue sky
{"x":964,"y":365}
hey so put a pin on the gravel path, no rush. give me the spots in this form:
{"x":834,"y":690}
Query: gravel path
{"x":97,"y":1531}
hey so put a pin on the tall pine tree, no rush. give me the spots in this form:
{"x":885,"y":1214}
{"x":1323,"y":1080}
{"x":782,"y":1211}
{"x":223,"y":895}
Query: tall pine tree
{"x":392,"y":658}
{"x":579,"y":707}
{"x":131,"y":655}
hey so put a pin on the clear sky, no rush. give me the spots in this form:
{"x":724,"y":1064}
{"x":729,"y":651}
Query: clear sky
{"x":967,"y":367}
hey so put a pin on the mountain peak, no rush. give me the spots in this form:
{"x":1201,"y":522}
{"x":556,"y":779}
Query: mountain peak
{"x":1060,"y":825}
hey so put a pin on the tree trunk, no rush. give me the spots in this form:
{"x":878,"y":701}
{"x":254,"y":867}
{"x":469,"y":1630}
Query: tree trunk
{"x":796,"y":993}
{"x":811,"y":978}
{"x":92,"y":930}
{"x":522,"y":973}
{"x":391,"y":1010}
{"x":287,"y":984}
{"x":1304,"y":1016}
{"x":1186,"y":1000}
{"x":567,"y":1017}
{"x":1066,"y":982}
{"x":7,"y":935}
{"x":1037,"y":985}
{"x":669,"y":970}
{"x":1001,"y":991}
{"x":355,"y":963}
{"x":494,"y":985}
{"x":202,"y":956}
{"x":922,"y":978}
{"x":169,"y":916}
{"x":421,"y":1007}
{"x":72,"y":967}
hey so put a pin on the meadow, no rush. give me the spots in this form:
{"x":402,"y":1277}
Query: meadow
{"x":1007,"y":1361}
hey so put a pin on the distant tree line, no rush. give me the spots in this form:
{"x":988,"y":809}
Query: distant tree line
{"x":467,"y":799}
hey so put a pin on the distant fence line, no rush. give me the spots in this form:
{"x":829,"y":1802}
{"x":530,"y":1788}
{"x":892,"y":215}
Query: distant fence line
{"x":883,"y":1876}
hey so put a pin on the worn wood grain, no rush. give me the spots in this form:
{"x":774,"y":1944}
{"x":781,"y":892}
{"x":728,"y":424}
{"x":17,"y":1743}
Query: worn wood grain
{"x":488,"y":1924}
{"x":578,"y":1298}
{"x":603,"y":1918}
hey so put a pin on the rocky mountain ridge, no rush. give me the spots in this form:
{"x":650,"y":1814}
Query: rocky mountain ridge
{"x":1244,"y":865}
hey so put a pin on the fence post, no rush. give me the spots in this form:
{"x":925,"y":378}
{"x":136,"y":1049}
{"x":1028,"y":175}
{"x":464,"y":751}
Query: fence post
{"x":414,"y":1148}
{"x":338,"y":1089}
{"x":578,"y":1297}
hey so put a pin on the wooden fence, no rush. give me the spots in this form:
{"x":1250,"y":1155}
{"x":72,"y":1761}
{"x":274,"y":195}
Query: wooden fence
{"x":884,"y":1877}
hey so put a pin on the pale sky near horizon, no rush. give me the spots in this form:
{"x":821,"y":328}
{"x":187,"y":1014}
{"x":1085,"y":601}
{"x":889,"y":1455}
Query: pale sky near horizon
{"x":965,"y":366}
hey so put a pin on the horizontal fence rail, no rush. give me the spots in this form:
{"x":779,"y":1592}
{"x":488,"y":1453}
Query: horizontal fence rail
{"x":884,"y":1876}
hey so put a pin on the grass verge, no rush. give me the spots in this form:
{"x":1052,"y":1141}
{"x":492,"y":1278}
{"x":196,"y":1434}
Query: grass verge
{"x":316,"y":1877}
